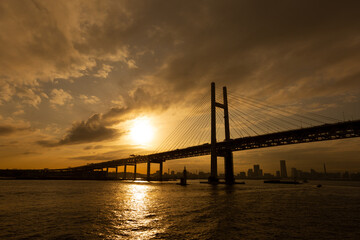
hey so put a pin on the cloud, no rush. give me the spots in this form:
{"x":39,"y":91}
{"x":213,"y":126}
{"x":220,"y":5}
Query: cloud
{"x":59,"y":97}
{"x":18,"y":112}
{"x":104,"y":71}
{"x":89,"y":100}
{"x":5,"y":130}
{"x":6,"y":92}
{"x":8,"y":129}
{"x":28,"y":96}
{"x":95,"y":129}
{"x":181,"y":46}
{"x":94,"y":147}
{"x":92,"y":130}
{"x":46,"y":40}
{"x":100,"y":127}
{"x":131,"y":64}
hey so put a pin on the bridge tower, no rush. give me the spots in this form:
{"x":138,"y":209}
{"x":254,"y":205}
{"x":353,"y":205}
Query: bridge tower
{"x":226,"y":153}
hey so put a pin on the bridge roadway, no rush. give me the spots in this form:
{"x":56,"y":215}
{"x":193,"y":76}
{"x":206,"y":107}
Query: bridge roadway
{"x":341,"y":130}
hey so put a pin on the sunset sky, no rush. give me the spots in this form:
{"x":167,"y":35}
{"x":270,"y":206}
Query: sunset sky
{"x":88,"y":81}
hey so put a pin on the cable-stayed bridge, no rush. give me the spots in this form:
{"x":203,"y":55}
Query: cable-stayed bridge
{"x":254,"y":124}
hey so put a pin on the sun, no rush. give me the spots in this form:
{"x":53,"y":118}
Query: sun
{"x":142,"y":131}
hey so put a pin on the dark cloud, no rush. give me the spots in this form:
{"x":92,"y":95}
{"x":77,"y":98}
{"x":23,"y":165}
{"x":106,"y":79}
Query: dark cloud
{"x":256,"y":47}
{"x":95,"y":129}
{"x":266,"y":46}
{"x":7,"y":129}
{"x":181,"y":46}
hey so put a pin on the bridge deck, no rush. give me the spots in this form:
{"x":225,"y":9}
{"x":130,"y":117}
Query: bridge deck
{"x":324,"y":132}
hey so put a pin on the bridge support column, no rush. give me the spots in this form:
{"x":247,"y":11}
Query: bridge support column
{"x":161,"y":171}
{"x":116,"y":172}
{"x":213,"y":175}
{"x":135,"y":171}
{"x":229,"y":165}
{"x":227,"y":153}
{"x":124,"y":176}
{"x":229,"y":168}
{"x":148,"y":171}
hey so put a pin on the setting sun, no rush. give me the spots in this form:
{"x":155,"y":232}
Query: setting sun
{"x":142,"y":131}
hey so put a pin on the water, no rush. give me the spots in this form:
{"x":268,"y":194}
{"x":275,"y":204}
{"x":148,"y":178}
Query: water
{"x":125,"y":210}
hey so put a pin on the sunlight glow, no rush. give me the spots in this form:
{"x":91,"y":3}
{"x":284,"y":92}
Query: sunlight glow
{"x":142,"y":131}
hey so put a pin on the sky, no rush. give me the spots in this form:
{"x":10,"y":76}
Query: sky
{"x":78,"y":78}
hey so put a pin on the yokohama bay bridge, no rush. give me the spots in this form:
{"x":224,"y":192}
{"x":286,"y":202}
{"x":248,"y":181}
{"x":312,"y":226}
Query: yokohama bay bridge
{"x":296,"y":134}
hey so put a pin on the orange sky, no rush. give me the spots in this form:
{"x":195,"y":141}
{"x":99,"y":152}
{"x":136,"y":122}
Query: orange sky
{"x":75,"y":75}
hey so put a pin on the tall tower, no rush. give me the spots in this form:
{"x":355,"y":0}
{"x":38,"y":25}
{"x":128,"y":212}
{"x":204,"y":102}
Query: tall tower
{"x":283,"y":171}
{"x":226,"y":153}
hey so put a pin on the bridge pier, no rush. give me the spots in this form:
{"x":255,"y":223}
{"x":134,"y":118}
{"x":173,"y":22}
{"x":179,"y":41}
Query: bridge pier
{"x":229,"y":168}
{"x":116,"y":172}
{"x":161,"y":171}
{"x":134,"y":171}
{"x":148,"y":171}
{"x":124,"y":176}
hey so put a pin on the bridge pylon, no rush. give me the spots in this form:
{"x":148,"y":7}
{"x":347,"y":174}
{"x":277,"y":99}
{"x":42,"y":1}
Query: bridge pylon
{"x":226,"y":153}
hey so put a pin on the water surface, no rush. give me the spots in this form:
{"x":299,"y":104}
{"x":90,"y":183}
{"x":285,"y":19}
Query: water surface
{"x":33,"y":209}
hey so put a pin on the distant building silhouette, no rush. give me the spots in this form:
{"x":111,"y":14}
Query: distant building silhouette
{"x":256,"y":171}
{"x":283,"y":169}
{"x":250,"y":173}
{"x":294,"y":173}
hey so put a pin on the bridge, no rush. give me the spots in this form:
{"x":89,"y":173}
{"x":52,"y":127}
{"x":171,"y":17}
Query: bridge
{"x":225,"y":148}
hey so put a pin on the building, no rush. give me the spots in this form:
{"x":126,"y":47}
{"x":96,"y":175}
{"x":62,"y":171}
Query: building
{"x":256,"y":171}
{"x":242,"y":175}
{"x":250,"y":173}
{"x":294,"y":173}
{"x":268,"y":175}
{"x":283,"y":171}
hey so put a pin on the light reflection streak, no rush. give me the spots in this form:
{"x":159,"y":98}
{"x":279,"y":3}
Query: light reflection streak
{"x":136,"y":219}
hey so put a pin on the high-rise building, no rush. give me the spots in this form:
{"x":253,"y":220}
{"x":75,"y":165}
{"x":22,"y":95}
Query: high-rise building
{"x":283,"y":169}
{"x":256,"y":170}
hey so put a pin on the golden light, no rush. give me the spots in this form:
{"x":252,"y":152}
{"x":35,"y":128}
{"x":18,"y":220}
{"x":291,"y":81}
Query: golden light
{"x":142,"y":131}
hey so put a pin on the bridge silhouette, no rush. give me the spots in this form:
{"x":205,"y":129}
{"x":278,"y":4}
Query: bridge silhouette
{"x":320,"y":132}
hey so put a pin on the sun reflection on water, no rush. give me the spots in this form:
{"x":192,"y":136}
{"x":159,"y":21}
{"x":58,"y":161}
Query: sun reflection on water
{"x":137,"y":219}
